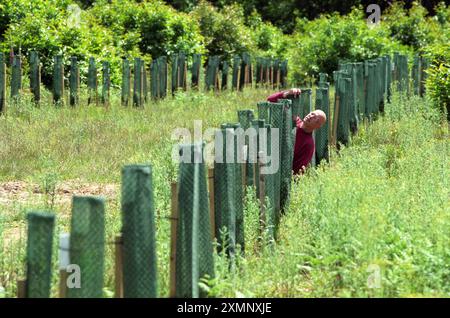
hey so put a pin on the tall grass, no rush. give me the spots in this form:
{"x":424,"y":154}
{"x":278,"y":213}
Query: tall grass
{"x":380,"y":207}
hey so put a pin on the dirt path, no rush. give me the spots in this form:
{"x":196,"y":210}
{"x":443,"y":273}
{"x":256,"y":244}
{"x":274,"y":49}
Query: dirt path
{"x":23,"y":192}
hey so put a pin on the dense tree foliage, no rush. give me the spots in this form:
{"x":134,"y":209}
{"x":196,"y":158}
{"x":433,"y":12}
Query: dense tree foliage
{"x":112,"y":29}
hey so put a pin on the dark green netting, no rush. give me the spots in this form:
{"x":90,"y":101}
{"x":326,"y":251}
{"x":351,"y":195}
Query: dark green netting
{"x":58,"y":80}
{"x":353,"y":100}
{"x":388,"y":77}
{"x":126,"y":82}
{"x":225,"y":71}
{"x":39,"y":254}
{"x":287,"y":153}
{"x":74,"y":82}
{"x":194,"y":248}
{"x":16,"y":76}
{"x":106,"y":82}
{"x":256,"y":124}
{"x":2,"y":83}
{"x":92,"y":81}
{"x":269,"y":217}
{"x":323,"y":77}
{"x":321,"y":141}
{"x":162,"y":76}
{"x":245,"y":118}
{"x":87,"y":245}
{"x":342,"y":94}
{"x":212,"y":70}
{"x":174,"y":68}
{"x":238,"y":140}
{"x":138,"y":232}
{"x":263,"y":111}
{"x":137,"y":83}
{"x":359,"y":67}
{"x":225,"y":191}
{"x":276,"y":122}
{"x":245,"y":64}
{"x":195,"y":69}
{"x":236,"y":68}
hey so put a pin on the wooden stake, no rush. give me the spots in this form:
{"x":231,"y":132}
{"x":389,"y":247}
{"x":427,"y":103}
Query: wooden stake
{"x":118,"y":258}
{"x":173,"y":239}
{"x":63,"y":275}
{"x":21,"y":288}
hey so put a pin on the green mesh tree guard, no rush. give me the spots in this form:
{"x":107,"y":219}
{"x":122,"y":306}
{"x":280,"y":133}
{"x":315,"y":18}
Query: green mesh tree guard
{"x":126,"y":82}
{"x":269,"y":193}
{"x":2,"y":83}
{"x":353,"y":100}
{"x":342,"y":88}
{"x":106,"y":82}
{"x":323,"y":77}
{"x":388,"y":77}
{"x":159,"y":77}
{"x":182,"y":66}
{"x":154,"y":79}
{"x":369,"y":74}
{"x":287,"y":153}
{"x":212,"y":70}
{"x":256,"y":125}
{"x":245,"y":118}
{"x":225,"y":201}
{"x":58,"y":80}
{"x":74,"y":81}
{"x":305,"y":102}
{"x":39,"y":254}
{"x":35,"y":77}
{"x":175,"y":69}
{"x":263,"y":111}
{"x":239,"y":195}
{"x":276,"y":122}
{"x":137,"y":83}
{"x":195,"y":70}
{"x":92,"y":81}
{"x":138,"y":232}
{"x":194,"y":248}
{"x":359,"y":67}
{"x":258,"y":71}
{"x":245,"y":71}
{"x":144,"y":82}
{"x":321,"y":141}
{"x":236,"y":68}
{"x":87,"y":245}
{"x":16,"y":76}
{"x":225,"y":70}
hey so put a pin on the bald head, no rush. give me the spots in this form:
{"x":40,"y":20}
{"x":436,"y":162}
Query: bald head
{"x":314,"y":120}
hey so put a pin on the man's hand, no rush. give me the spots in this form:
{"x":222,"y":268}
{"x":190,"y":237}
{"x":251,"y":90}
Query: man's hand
{"x":294,"y":92}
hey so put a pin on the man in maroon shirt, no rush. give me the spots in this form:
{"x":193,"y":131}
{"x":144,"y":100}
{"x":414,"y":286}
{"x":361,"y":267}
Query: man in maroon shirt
{"x":304,"y":142}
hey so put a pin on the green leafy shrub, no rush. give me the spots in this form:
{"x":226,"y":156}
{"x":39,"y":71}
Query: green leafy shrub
{"x":438,"y":86}
{"x":319,"y":45}
{"x":269,"y":41}
{"x":409,"y":27}
{"x":224,"y":30}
